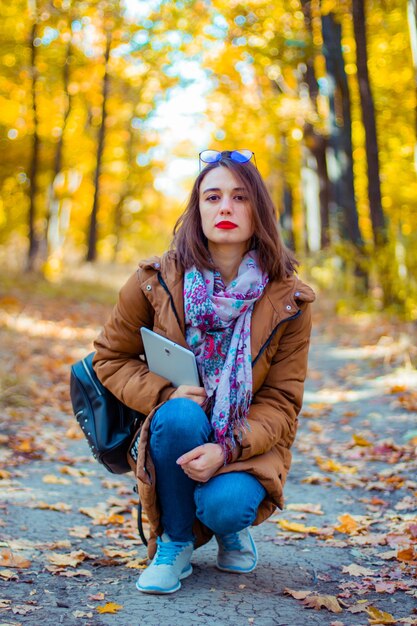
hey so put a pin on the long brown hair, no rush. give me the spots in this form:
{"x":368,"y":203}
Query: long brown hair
{"x":190,"y":243}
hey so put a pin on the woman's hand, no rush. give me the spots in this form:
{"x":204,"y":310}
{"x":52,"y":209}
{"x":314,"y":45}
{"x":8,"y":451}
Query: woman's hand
{"x":198,"y":394}
{"x":201,"y":463}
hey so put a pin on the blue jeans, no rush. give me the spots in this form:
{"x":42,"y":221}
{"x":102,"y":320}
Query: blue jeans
{"x":226,"y":503}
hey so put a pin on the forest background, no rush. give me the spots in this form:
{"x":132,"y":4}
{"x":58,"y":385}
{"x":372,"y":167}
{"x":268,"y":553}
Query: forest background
{"x":105,"y":105}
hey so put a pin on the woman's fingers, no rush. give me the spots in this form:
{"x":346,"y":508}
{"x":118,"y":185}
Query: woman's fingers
{"x":191,"y":455}
{"x":202,"y":462}
{"x":198,"y":394}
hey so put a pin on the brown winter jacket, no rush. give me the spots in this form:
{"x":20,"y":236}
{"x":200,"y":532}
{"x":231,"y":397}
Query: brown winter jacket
{"x":280,"y":335}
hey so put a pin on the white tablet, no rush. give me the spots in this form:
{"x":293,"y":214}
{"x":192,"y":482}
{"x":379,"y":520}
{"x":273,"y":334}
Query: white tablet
{"x":168,"y":359}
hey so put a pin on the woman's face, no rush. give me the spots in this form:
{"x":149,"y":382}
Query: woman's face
{"x":226,"y":214}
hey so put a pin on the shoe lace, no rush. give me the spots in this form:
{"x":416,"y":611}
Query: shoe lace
{"x":231,"y":542}
{"x":167,"y":552}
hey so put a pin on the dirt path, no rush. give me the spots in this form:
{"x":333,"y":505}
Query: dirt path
{"x":345,"y":544}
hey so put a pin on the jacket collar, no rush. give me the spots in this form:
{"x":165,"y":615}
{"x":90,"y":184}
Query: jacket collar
{"x":281,"y":300}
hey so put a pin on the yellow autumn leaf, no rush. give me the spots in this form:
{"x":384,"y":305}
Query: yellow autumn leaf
{"x":115,"y":519}
{"x":361,"y":441}
{"x":51,"y":479}
{"x":295,"y":527}
{"x":328,"y":465}
{"x":109,"y":607}
{"x":379,"y":617}
{"x":347,"y":524}
{"x":398,"y":389}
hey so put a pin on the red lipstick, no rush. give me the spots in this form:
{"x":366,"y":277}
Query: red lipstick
{"x":225,"y":225}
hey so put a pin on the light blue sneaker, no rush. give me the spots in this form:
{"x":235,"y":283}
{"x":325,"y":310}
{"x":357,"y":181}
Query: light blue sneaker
{"x":237,"y":552}
{"x":169,"y":566}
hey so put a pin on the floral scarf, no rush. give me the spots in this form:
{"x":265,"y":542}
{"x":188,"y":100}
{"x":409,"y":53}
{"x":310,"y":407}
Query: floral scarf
{"x":218,"y":319}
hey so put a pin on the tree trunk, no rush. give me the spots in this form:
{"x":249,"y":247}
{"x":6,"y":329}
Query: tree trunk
{"x":92,"y":235}
{"x":286,"y":219}
{"x":368,"y":118}
{"x":340,"y":141}
{"x":33,"y":169}
{"x":125,"y":191}
{"x":53,"y":235}
{"x":315,"y":142}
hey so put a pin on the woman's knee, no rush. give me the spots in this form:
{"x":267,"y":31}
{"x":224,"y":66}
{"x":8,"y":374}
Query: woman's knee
{"x":178,"y":416}
{"x":229,"y":502}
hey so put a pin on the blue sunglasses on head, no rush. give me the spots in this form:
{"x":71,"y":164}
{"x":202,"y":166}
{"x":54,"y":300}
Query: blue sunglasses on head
{"x":238,"y":156}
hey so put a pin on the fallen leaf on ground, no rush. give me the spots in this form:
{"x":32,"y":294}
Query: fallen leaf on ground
{"x":118,"y":552}
{"x":359,"y":607}
{"x":68,"y":560}
{"x":23,"y":609}
{"x":318,"y":601}
{"x":68,"y":573}
{"x":316,"y":479}
{"x":385,"y":586}
{"x":406,"y":555}
{"x":295,"y":527}
{"x":8,"y":559}
{"x":306,"y":508}
{"x":379,"y":617}
{"x":298,"y":595}
{"x":357,"y":570}
{"x":136,"y":563}
{"x":8,"y":574}
{"x":347,"y":525}
{"x":100,"y":515}
{"x":51,"y":479}
{"x":81,"y":614}
{"x":328,"y":465}
{"x":80,"y":531}
{"x":361,"y":441}
{"x":63,"y":507}
{"x":72,"y":471}
{"x":115,"y":519}
{"x":97,"y":596}
{"x":110,"y":607}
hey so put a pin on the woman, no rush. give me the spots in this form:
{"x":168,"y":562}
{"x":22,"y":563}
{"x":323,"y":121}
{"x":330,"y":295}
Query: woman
{"x":212,"y":460}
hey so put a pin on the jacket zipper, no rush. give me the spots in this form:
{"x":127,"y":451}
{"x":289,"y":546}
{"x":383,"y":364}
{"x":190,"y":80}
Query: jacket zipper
{"x":271,"y":336}
{"x":162,"y":282}
{"x":267,"y":342}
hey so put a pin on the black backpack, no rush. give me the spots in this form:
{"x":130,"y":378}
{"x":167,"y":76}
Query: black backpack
{"x":107,"y":423}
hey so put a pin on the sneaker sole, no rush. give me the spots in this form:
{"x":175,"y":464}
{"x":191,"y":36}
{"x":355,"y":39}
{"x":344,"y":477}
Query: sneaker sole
{"x":235,"y":570}
{"x":160,"y":590}
{"x":241,"y":570}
